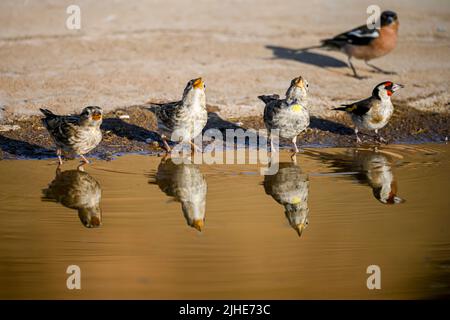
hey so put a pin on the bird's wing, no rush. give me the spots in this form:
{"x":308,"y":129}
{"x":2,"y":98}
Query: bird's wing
{"x":61,"y":127}
{"x":359,"y":36}
{"x":272,"y":108}
{"x":168,"y":112}
{"x":358,"y":108}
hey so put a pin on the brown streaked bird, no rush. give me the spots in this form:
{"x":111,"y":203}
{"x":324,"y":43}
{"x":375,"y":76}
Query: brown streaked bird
{"x":374,"y":112}
{"x":289,"y":115}
{"x":75,"y":134}
{"x":290,"y":188}
{"x":187,"y":185}
{"x":77,"y":190}
{"x":183,"y":120}
{"x":366,"y":43}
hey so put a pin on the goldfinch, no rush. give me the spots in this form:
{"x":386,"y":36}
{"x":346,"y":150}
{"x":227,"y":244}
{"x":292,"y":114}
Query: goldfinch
{"x":374,"y":112}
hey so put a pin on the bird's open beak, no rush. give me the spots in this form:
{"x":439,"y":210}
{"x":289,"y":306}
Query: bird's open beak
{"x":198,"y":224}
{"x":299,"y":82}
{"x":199,"y":84}
{"x":300,"y":227}
{"x":397,"y":87}
{"x":96,"y":116}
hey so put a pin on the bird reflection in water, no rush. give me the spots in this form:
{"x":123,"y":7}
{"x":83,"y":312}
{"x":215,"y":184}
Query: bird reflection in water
{"x":187,"y":185}
{"x":369,"y":167}
{"x":290,"y":187}
{"x":78,"y":190}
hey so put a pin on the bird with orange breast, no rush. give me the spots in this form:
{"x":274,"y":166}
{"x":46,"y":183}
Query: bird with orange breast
{"x":366,"y":43}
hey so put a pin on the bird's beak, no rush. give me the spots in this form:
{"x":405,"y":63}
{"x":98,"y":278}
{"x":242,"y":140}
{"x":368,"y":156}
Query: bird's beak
{"x":95,"y":222}
{"x":397,"y":87}
{"x":299,"y":82}
{"x":198,"y":224}
{"x":198,"y":83}
{"x":96,"y":116}
{"x":300,"y":227}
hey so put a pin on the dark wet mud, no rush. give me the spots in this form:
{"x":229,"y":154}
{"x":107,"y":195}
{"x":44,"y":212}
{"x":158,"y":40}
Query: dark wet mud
{"x":131,"y":135}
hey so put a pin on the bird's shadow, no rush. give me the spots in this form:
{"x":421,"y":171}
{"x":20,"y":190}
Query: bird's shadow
{"x":24,"y":149}
{"x":305,"y":56}
{"x":128,"y":130}
{"x":329,"y":126}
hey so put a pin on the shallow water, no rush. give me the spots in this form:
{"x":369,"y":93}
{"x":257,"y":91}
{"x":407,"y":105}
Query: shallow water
{"x":353,"y":208}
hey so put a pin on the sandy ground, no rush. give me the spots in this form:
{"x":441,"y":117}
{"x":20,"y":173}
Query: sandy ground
{"x":130,"y":53}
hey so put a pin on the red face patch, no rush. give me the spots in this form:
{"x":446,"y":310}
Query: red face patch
{"x":389,"y":92}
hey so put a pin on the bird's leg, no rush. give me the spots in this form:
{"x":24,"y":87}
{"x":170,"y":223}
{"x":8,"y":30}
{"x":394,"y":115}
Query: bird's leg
{"x":379,"y":137}
{"x":358,"y":139}
{"x":83,"y":162}
{"x":272,"y":147}
{"x":295,"y":150}
{"x":58,"y":153}
{"x":166,"y":145}
{"x":194,"y":147}
{"x":353,"y":68}
{"x":379,"y":69}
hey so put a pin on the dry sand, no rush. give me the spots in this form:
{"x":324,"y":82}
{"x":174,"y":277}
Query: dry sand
{"x":131,"y":52}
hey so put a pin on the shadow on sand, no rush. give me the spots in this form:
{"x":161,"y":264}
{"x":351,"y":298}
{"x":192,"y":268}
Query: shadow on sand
{"x":306,"y":56}
{"x":24,"y":149}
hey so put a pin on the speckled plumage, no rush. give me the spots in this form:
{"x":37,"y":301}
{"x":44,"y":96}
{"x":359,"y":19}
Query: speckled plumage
{"x":290,"y":188}
{"x":289,"y":115}
{"x":78,"y":190}
{"x":76,"y":134}
{"x":187,"y":185}
{"x":183,"y":120}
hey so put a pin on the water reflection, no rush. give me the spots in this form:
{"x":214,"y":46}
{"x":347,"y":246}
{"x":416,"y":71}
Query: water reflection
{"x":372,"y":168}
{"x":290,"y":187}
{"x":187,"y":185}
{"x":78,"y":190}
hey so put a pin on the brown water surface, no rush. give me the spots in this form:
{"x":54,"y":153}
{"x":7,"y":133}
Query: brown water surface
{"x":132,"y":225}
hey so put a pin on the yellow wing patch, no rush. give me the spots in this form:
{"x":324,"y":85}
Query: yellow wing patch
{"x":296,"y":200}
{"x":296,"y":107}
{"x":351,"y":108}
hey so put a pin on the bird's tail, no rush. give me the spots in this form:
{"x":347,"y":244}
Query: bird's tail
{"x":320,"y":46}
{"x":266,"y":99}
{"x":155,"y":107}
{"x":341,"y":108}
{"x":47,"y":113}
{"x":331,"y":44}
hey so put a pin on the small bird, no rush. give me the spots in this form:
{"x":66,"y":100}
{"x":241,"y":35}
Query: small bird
{"x":76,"y":134}
{"x":290,"y":187}
{"x":289,"y":115}
{"x":374,"y":112}
{"x":183,"y":120}
{"x":78,"y":190}
{"x":367,"y":43}
{"x":187,"y":185}
{"x":369,"y":167}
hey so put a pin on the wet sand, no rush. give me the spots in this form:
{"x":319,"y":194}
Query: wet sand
{"x":131,"y":135}
{"x":146,"y":247}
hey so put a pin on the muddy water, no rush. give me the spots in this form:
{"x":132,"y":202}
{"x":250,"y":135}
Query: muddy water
{"x":133,"y":227}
